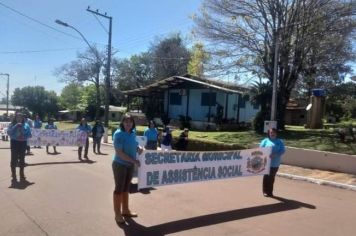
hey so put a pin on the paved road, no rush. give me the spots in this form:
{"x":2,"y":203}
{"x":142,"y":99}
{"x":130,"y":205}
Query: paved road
{"x":68,"y":197}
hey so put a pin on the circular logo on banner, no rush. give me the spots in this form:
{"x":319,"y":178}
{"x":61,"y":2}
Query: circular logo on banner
{"x":256,"y":163}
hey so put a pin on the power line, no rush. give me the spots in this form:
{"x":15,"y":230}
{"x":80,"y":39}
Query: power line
{"x":38,"y":51}
{"x":101,"y":23}
{"x":37,"y":21}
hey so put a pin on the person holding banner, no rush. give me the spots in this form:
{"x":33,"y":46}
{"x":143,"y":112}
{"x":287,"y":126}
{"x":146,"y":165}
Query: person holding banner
{"x":19,"y":131}
{"x":37,"y":124}
{"x":98,"y":132}
{"x":30,"y":124}
{"x":83,"y":126}
{"x":278,"y":150}
{"x":166,"y":144}
{"x":126,"y":148}
{"x":151,"y":133}
{"x":51,"y":125}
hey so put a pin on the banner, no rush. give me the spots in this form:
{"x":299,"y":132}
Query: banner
{"x":175,"y":167}
{"x":3,"y":127}
{"x":53,"y":137}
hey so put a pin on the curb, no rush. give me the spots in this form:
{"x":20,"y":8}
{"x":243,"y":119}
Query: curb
{"x":318,"y":181}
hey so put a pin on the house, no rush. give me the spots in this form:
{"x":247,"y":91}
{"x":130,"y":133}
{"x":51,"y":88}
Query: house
{"x":115,"y":113}
{"x":206,"y":102}
{"x":295,"y":113}
{"x":8,"y":109}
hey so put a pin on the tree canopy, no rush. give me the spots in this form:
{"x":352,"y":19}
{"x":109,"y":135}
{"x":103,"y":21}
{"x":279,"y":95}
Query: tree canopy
{"x":313,"y":37}
{"x":37,"y":100}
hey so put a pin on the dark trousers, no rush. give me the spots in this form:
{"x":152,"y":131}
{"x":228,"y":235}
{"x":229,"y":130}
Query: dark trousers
{"x":151,"y":145}
{"x":96,"y":143}
{"x":18,"y":150}
{"x":268,"y":181}
{"x":28,"y":148}
{"x":85,"y":149}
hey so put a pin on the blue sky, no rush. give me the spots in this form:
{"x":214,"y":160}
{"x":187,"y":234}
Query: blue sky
{"x":135,"y":25}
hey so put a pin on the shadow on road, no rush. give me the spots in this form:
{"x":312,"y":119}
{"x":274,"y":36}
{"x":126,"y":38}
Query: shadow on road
{"x":61,"y":163}
{"x":22,"y":184}
{"x":133,"y":228}
{"x":134,"y":189}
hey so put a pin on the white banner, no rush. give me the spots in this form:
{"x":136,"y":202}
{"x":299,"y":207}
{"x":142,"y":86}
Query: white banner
{"x":3,"y":127}
{"x":175,"y":167}
{"x":53,"y":137}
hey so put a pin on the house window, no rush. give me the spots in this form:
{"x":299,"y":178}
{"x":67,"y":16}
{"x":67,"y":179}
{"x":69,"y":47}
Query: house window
{"x":112,"y":115}
{"x":242,"y":102}
{"x":208,"y":99}
{"x":175,"y":99}
{"x":256,"y":106}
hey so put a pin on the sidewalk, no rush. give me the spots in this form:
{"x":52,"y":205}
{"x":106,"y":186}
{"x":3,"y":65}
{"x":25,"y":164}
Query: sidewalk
{"x":335,"y":179}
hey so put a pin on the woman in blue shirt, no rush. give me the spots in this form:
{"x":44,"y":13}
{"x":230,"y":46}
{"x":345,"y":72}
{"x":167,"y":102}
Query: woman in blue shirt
{"x":37,"y":124}
{"x":123,"y":164}
{"x":277,"y":151}
{"x":83,"y":126}
{"x":51,"y":125}
{"x":152,"y":134}
{"x":19,"y":131}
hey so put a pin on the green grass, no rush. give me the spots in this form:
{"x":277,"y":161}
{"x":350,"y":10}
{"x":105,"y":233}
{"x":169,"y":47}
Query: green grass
{"x":294,"y":136}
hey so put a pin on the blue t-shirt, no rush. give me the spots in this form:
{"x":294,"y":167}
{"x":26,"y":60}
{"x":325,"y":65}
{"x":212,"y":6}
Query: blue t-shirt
{"x":50,"y":126}
{"x":19,"y":132}
{"x":127,"y":143}
{"x":86,"y":128}
{"x":151,"y":134}
{"x":37,"y":124}
{"x":277,"y":148}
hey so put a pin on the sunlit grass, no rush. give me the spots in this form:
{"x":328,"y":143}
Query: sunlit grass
{"x":294,"y":136}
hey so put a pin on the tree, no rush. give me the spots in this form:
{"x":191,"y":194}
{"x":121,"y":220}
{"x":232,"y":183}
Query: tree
{"x":170,"y":57}
{"x":37,"y":100}
{"x":86,"y":68}
{"x":135,"y":72}
{"x":309,"y":33}
{"x":341,"y":101}
{"x":70,"y":97}
{"x":87,"y":101}
{"x":198,"y":59}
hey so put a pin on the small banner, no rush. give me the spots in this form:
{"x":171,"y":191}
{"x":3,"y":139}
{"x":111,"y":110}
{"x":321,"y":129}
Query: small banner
{"x":54,"y":137}
{"x":3,"y":127}
{"x":175,"y":167}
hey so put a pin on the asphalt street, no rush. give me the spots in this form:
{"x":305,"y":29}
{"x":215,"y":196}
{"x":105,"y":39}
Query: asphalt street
{"x":63,"y":196}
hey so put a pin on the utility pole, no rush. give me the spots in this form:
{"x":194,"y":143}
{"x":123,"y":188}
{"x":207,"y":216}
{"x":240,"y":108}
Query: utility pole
{"x":275,"y":72}
{"x":7,"y":93}
{"x":108,"y":66}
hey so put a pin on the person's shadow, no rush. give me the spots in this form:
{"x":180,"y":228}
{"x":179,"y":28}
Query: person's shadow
{"x":22,"y":184}
{"x":132,"y":228}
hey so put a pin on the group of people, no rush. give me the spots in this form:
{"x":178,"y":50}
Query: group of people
{"x":19,"y":131}
{"x":166,"y":139}
{"x":125,"y":156}
{"x":125,"y":159}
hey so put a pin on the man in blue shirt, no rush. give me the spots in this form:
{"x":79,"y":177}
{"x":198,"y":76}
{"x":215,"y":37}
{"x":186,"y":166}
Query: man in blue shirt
{"x":19,"y":131}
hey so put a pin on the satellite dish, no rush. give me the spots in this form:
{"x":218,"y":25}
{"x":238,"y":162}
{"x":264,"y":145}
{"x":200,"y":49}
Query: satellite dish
{"x":308,"y":107}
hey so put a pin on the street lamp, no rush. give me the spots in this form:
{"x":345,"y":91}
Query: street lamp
{"x":85,"y":40}
{"x":7,"y":93}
